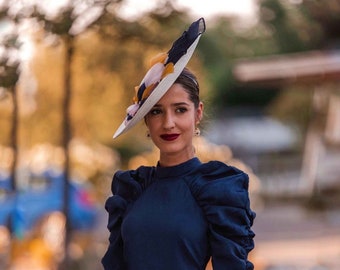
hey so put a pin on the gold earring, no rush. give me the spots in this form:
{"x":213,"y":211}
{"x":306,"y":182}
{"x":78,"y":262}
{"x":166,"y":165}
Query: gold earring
{"x":197,"y":132}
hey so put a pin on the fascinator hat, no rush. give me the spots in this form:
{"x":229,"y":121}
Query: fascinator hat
{"x":165,"y":68}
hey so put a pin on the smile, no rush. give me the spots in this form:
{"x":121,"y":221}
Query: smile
{"x":169,"y":137}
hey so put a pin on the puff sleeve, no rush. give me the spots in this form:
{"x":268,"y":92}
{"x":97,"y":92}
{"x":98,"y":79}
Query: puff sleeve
{"x":126,"y":188}
{"x":222,"y":193}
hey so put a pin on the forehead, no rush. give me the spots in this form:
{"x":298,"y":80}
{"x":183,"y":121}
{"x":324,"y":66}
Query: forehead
{"x":176,"y":93}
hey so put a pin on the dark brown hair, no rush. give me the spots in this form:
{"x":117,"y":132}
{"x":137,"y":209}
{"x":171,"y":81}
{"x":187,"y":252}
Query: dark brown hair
{"x":189,"y":81}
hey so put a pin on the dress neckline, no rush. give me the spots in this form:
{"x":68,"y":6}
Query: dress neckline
{"x":177,"y":170}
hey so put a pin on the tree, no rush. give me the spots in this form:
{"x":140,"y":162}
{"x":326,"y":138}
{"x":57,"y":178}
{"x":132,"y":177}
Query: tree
{"x":325,"y":14}
{"x":66,"y":24}
{"x":9,"y":76}
{"x":283,"y":27}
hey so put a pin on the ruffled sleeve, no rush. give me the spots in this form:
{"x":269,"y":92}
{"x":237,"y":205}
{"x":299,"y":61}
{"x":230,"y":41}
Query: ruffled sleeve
{"x":126,"y":188}
{"x":222,"y":193}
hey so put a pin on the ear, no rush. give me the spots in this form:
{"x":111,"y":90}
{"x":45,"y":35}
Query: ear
{"x":199,"y":112}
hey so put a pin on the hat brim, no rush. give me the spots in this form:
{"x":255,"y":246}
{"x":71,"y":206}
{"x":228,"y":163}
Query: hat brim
{"x":159,"y":91}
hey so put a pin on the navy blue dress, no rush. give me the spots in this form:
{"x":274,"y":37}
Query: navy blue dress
{"x":176,"y":218}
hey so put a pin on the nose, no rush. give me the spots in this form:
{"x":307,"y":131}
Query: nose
{"x":168,"y":121}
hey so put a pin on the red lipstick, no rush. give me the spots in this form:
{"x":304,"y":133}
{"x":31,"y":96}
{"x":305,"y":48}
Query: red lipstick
{"x":169,"y":137}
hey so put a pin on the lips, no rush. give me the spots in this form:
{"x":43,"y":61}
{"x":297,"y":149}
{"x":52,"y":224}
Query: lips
{"x":169,"y":137}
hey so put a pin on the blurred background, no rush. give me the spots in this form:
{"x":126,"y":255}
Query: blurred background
{"x":269,"y":73}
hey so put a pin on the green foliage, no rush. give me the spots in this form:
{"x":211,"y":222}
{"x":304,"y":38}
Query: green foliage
{"x":326,"y":15}
{"x":221,"y":46}
{"x":9,"y":74}
{"x":111,"y":57}
{"x":60,"y":25}
{"x":9,"y":61}
{"x":283,"y":27}
{"x":292,"y":30}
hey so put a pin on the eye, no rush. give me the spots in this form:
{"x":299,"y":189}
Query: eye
{"x":181,"y":109}
{"x":155,"y":111}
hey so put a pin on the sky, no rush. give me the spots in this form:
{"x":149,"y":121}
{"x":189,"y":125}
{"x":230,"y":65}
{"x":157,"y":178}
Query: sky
{"x":197,"y":8}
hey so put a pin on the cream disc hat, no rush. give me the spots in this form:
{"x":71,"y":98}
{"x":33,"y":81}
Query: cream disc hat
{"x":161,"y":76}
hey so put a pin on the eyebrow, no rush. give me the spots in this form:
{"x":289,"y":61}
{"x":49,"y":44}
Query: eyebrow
{"x":174,"y":104}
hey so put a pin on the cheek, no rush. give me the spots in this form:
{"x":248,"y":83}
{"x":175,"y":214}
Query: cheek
{"x":152,"y":125}
{"x":189,"y":125}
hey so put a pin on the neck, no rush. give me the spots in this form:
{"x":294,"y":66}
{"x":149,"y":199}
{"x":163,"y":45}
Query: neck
{"x":173,"y":159}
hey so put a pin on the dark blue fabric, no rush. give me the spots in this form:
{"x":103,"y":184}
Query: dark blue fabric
{"x":183,"y":43}
{"x":178,"y":217}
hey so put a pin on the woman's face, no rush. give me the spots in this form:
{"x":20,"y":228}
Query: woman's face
{"x":171,"y":123}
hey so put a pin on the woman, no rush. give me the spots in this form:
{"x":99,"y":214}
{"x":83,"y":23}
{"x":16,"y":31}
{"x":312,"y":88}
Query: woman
{"x":180,"y":213}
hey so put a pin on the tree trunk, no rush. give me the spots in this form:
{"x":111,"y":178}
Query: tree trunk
{"x":14,"y":138}
{"x":68,"y":43}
